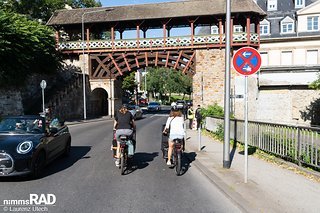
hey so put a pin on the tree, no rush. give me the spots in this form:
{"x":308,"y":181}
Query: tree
{"x":129,"y":83}
{"x":43,"y":9}
{"x":26,"y":47}
{"x":168,"y":81}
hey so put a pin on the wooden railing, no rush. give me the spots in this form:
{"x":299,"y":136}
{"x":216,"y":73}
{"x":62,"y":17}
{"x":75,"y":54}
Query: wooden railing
{"x":179,"y":41}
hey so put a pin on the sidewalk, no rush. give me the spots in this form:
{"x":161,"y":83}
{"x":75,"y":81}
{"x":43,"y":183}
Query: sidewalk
{"x":270,"y":188}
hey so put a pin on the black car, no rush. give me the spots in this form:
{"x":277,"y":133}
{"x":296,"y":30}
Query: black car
{"x":29,"y":143}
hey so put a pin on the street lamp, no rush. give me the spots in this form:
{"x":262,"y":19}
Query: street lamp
{"x":84,"y":61}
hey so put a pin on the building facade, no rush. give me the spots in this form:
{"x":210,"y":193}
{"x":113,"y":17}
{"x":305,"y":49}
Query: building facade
{"x":290,"y":52}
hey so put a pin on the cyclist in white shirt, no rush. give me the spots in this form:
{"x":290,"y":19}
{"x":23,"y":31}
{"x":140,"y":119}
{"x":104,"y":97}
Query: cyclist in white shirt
{"x":175,"y":127}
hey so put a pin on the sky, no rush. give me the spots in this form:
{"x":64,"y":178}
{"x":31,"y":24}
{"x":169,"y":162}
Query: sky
{"x":112,"y":3}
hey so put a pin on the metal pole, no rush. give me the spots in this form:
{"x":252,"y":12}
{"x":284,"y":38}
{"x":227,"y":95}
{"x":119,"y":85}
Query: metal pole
{"x":43,"y":109}
{"x":83,"y":72}
{"x":226,"y":147}
{"x":199,"y":137}
{"x":246,"y":130}
{"x":111,"y":102}
{"x":145,"y":82}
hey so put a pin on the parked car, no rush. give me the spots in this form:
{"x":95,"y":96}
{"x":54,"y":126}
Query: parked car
{"x":136,"y":111}
{"x":189,"y":103}
{"x":143,"y":102}
{"x":154,"y":106}
{"x":29,"y":143}
{"x":181,"y":104}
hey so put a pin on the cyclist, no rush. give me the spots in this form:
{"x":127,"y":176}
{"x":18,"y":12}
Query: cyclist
{"x":123,"y":125}
{"x":175,"y":127}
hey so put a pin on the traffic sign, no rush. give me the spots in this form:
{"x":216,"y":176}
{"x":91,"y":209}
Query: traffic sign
{"x":43,"y":84}
{"x":246,"y":61}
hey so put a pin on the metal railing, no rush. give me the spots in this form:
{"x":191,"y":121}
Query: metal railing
{"x":298,"y":144}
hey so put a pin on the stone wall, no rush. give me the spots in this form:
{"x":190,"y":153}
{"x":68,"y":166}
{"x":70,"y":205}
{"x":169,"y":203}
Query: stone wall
{"x":10,"y":102}
{"x":208,"y":82}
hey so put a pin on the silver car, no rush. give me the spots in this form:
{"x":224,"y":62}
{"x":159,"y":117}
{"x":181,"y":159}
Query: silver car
{"x":136,"y":111}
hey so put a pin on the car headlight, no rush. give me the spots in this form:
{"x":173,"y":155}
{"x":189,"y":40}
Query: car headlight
{"x":24,"y":147}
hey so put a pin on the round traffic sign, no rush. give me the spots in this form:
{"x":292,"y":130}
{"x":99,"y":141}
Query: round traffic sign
{"x":43,"y":84}
{"x":246,"y":61}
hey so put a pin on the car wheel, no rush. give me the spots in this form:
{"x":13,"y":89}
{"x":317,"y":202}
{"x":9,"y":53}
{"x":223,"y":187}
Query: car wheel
{"x":38,"y":164}
{"x":67,"y":149}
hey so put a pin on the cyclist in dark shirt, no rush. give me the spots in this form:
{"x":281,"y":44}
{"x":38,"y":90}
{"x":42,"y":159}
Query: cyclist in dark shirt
{"x":123,"y":125}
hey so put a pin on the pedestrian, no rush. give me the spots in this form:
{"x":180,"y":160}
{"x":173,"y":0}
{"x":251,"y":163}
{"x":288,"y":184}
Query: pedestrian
{"x":190,"y":116}
{"x":198,"y":116}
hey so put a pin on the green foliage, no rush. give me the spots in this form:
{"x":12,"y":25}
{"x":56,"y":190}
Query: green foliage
{"x":43,"y":9}
{"x":129,"y":83}
{"x":315,"y":84}
{"x":168,"y":81}
{"x":212,"y":110}
{"x":25,"y":47}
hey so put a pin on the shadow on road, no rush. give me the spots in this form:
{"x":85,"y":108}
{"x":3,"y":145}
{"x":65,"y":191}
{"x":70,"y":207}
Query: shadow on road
{"x":59,"y":164}
{"x":141,"y":160}
{"x":187,"y":159}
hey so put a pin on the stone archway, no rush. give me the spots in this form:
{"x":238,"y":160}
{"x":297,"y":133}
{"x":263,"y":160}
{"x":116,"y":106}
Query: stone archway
{"x":99,"y":102}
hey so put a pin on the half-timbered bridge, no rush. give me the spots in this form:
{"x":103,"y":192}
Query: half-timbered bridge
{"x":108,"y":54}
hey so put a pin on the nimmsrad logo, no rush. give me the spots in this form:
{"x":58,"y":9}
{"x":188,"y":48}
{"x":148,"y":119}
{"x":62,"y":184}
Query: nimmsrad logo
{"x":34,"y":199}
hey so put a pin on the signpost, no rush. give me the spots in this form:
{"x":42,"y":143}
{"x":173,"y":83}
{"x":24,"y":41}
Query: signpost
{"x":246,"y":61}
{"x":43,"y":85}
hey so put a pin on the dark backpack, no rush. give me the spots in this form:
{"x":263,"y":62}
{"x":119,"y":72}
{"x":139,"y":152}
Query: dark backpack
{"x":198,"y":114}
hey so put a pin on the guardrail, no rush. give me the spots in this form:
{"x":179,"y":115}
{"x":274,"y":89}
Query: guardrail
{"x":298,"y":144}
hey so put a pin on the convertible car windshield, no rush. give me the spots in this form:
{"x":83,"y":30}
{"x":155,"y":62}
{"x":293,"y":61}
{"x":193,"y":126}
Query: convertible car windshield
{"x":22,"y":125}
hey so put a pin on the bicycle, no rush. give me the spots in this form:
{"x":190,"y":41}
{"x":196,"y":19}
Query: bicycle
{"x":176,"y":158}
{"x":124,"y":154}
{"x":177,"y":155}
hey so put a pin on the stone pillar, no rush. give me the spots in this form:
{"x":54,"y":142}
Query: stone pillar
{"x":208,"y":82}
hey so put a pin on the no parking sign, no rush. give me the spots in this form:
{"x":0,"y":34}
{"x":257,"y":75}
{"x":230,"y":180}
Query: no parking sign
{"x":246,"y":61}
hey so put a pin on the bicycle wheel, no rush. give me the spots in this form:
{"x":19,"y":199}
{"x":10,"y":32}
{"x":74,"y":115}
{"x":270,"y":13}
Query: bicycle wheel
{"x":178,"y":163}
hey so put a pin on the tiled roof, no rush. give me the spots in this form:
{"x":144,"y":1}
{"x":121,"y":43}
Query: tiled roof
{"x":154,"y":11}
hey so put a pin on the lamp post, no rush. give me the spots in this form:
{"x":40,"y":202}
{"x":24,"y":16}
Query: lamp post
{"x":84,"y":61}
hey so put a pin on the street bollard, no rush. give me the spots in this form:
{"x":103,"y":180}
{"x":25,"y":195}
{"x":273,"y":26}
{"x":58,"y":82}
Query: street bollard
{"x":199,"y":137}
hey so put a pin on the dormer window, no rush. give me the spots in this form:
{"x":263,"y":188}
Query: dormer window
{"x":272,"y":5}
{"x":299,"y":3}
{"x":237,"y":29}
{"x":287,"y":25}
{"x":214,"y":30}
{"x":265,"y":27}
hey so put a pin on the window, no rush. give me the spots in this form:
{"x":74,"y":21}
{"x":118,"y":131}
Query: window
{"x":214,"y":29}
{"x":237,"y":29}
{"x":313,"y":23}
{"x":312,"y":57}
{"x":287,"y":25}
{"x":265,"y":27}
{"x":264,"y":58}
{"x":286,"y":58}
{"x":299,"y":3}
{"x":272,"y":5}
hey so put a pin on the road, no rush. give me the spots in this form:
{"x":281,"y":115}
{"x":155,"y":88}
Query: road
{"x":88,"y":181}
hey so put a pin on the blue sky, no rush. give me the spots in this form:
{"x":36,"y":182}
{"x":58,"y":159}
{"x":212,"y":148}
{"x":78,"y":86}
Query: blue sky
{"x":111,"y":3}
{"x":150,"y":33}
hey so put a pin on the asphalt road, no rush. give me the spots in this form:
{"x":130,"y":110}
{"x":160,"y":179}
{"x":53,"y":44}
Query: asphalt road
{"x":88,"y":181}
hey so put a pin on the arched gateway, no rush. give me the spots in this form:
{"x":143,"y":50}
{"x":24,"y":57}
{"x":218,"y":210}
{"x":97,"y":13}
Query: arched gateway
{"x":108,"y":54}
